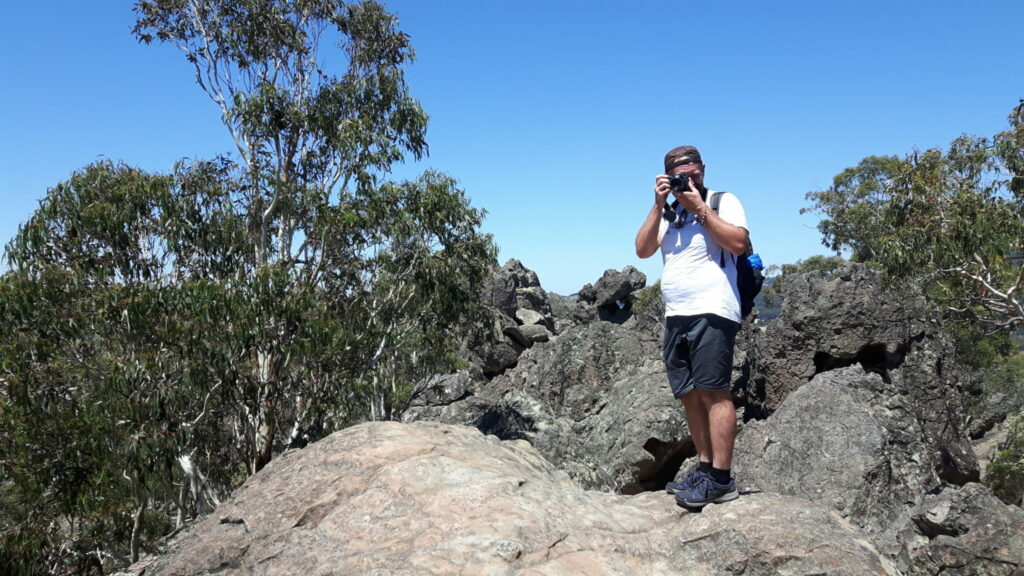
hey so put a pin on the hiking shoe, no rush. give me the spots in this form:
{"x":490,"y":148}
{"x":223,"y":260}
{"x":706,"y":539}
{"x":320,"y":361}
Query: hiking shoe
{"x":707,"y":491}
{"x":686,"y":484}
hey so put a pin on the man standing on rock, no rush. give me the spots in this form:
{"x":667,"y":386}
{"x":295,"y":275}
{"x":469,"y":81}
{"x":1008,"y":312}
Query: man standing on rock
{"x":702,"y":314}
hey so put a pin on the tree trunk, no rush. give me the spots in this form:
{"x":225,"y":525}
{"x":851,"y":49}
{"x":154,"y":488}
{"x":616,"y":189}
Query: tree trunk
{"x":182,"y":503}
{"x":137,"y":526}
{"x":265,"y":425}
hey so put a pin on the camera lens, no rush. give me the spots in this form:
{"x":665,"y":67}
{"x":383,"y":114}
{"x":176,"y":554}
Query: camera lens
{"x":679,"y":182}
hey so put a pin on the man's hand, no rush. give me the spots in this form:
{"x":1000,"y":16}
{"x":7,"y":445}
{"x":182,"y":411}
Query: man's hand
{"x":647,"y":238}
{"x":691,"y":200}
{"x":661,"y":190}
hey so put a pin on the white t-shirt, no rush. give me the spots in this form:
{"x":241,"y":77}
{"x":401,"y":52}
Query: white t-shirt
{"x":694,"y":281}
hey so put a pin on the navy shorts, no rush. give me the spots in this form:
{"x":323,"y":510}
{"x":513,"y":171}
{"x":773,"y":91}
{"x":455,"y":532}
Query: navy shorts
{"x":698,"y":352}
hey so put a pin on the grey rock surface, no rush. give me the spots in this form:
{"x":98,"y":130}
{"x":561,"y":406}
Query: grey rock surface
{"x":828,"y":323}
{"x":852,"y":320}
{"x":494,"y":357}
{"x":409,"y":499}
{"x":441,"y":390}
{"x":514,"y":287}
{"x":966,"y":531}
{"x":618,"y":286}
{"x":848,"y":440}
{"x":519,"y":305}
{"x":595,"y":402}
{"x":569,"y":311}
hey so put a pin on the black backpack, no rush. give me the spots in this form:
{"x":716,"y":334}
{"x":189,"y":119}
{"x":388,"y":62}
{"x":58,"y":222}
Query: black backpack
{"x":749,"y":277}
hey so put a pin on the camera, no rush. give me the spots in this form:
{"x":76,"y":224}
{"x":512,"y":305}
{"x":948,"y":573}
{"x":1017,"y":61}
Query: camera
{"x":679,"y":182}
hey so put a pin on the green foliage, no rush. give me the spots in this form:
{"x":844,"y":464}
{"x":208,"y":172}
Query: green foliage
{"x":162,"y":336}
{"x":950,"y":222}
{"x":977,"y":347}
{"x":854,"y":204}
{"x":649,"y":298}
{"x":1003,"y":378}
{"x":1005,"y":474}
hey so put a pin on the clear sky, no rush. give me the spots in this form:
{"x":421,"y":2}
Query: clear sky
{"x":555,"y":115}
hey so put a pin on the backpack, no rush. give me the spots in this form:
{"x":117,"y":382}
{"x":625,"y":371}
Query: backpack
{"x":749,"y":277}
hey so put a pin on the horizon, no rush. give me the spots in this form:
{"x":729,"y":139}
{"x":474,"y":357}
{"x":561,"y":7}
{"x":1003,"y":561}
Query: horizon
{"x":554,"y":117}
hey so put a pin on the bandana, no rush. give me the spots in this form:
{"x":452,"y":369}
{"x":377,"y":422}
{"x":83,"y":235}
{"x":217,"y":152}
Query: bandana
{"x":681,"y":155}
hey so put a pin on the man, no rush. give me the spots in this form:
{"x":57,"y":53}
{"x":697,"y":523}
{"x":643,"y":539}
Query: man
{"x":702,"y":314}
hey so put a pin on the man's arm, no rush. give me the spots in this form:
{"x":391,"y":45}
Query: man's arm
{"x":647,"y":237}
{"x":730,"y":237}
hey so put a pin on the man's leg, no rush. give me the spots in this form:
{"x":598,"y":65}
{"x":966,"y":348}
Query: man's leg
{"x":698,"y":423}
{"x":712,"y":402}
{"x":721,"y":418}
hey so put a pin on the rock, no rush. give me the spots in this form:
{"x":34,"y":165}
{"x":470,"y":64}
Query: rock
{"x":527,"y":334}
{"x":390,"y":498}
{"x":496,"y":357}
{"x":500,"y":288}
{"x":570,"y":311}
{"x":515,"y":334}
{"x":441,"y":390}
{"x":965,"y":531}
{"x":850,"y":319}
{"x":516,"y":297}
{"x":514,"y":287}
{"x":614,"y":293}
{"x":533,"y":298}
{"x":992,"y":410}
{"x":526,"y":317}
{"x":614,"y":286}
{"x":595,"y":402}
{"x":848,"y":440}
{"x":588,"y":294}
{"x":535,"y":333}
{"x":649,"y":312}
{"x":830,"y":323}
{"x":986,"y":448}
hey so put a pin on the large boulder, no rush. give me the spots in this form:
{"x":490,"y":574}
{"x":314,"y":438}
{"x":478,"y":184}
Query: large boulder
{"x":615,"y":287}
{"x":848,"y":440}
{"x":614,"y":293}
{"x":966,"y":531}
{"x":521,"y":316}
{"x":514,"y":287}
{"x":390,"y":498}
{"x":850,"y":319}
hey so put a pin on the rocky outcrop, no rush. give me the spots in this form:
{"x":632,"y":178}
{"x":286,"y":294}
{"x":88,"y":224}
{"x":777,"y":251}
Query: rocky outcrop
{"x":848,"y":440}
{"x":851,"y":399}
{"x":523,"y":313}
{"x":614,"y":293}
{"x":571,"y":311}
{"x":595,"y":402}
{"x":965,"y":531}
{"x":829,"y":323}
{"x":521,"y":316}
{"x":390,"y":498}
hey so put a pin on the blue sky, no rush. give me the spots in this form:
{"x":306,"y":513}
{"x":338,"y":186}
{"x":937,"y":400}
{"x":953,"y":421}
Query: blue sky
{"x":554,"y":115}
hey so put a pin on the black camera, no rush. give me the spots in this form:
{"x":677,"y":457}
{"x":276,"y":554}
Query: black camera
{"x":679,"y":182}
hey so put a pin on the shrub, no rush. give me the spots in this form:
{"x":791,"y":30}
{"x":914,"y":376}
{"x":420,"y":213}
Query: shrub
{"x":1006,"y":471}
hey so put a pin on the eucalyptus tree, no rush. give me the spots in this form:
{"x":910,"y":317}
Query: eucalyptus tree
{"x":951,"y":220}
{"x":381,"y":264}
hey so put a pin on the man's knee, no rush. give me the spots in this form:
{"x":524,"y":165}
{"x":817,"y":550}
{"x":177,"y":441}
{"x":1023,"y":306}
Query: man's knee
{"x":715,"y":397}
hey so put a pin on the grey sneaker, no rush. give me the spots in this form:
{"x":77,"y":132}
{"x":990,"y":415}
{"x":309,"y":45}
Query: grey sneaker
{"x":686,"y":484}
{"x":706,"y":491}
